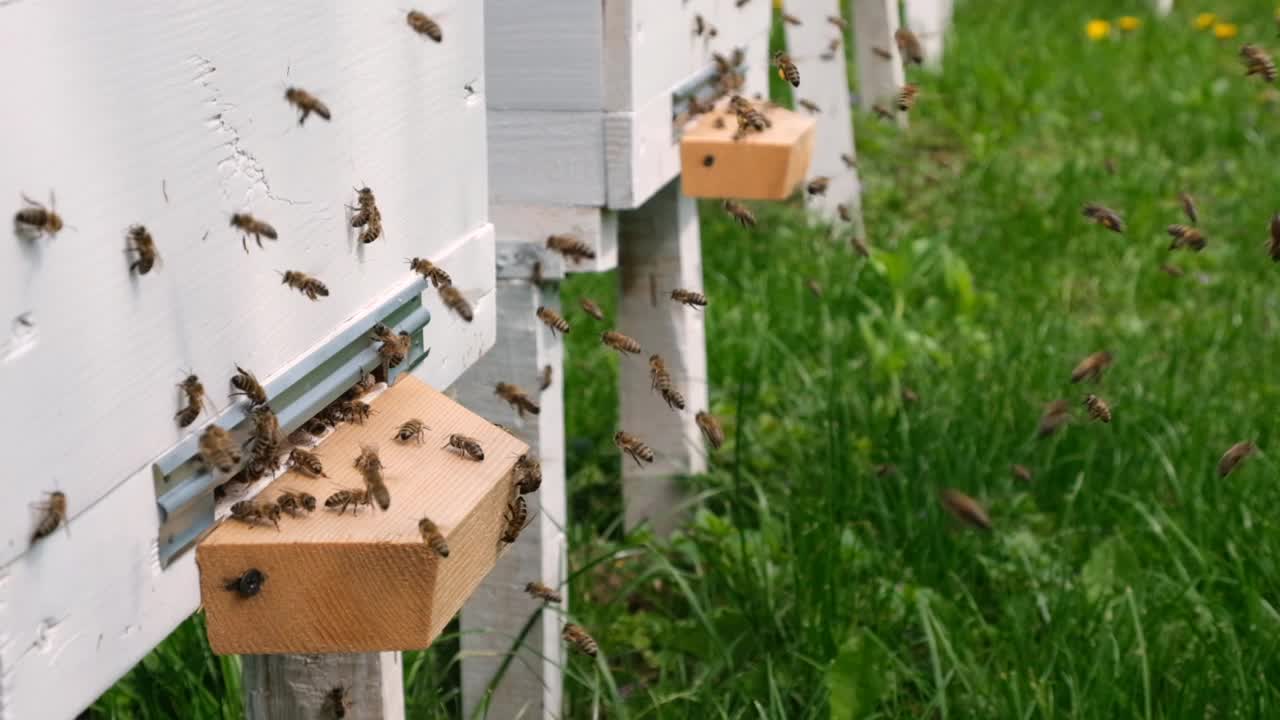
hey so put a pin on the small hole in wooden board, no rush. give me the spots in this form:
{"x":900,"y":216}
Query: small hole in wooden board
{"x":708,"y":161}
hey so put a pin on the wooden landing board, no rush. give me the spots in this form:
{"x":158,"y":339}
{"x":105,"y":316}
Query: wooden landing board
{"x":769,"y":165}
{"x":368,"y":582}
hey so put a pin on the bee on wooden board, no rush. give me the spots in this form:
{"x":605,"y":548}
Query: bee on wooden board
{"x":517,"y":517}
{"x":356,"y":411}
{"x":965,"y":509}
{"x":332,"y":415}
{"x":53,"y":513}
{"x":1092,"y":367}
{"x":453,"y":299}
{"x":544,"y":378}
{"x":791,"y":19}
{"x":787,"y":70}
{"x":368,"y":216}
{"x":249,"y":225}
{"x":542,"y":592}
{"x":909,"y":45}
{"x":1055,"y":415}
{"x":193,"y":390}
{"x":1098,"y":408}
{"x":306,"y":463}
{"x":424,"y":25}
{"x":430,"y":271}
{"x":620,"y":342}
{"x":306,"y":104}
{"x":570,"y":247}
{"x":368,"y":459}
{"x":412,"y":429}
{"x":350,"y":498}
{"x":304,"y":283}
{"x":579,"y":640}
{"x":1258,"y":62}
{"x":633,"y":446}
{"x":394,"y":350}
{"x":1235,"y":455}
{"x":1105,"y":217}
{"x":248,"y":584}
{"x":467,"y":445}
{"x":710,"y":428}
{"x":839,"y":22}
{"x":1185,"y":236}
{"x":295,"y":503}
{"x":432,"y":536}
{"x":376,"y":486}
{"x":819,"y":185}
{"x":907,"y":97}
{"x":739,"y":212}
{"x":689,"y":298}
{"x":528,"y":474}
{"x":552,"y":319}
{"x":36,"y":219}
{"x":517,"y":398}
{"x":1273,"y":242}
{"x":1189,"y":207}
{"x":143,"y":246}
{"x":253,"y":513}
{"x":1021,"y":472}
{"x":218,"y":450}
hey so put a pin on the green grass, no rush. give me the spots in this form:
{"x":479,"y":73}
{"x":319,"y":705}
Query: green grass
{"x":1126,"y":580}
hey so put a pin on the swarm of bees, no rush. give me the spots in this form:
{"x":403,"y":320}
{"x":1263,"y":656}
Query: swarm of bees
{"x":1258,"y":62}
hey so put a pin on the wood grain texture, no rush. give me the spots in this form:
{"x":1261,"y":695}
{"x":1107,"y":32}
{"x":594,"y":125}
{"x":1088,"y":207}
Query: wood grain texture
{"x":532,"y":224}
{"x":929,"y":20}
{"x":763,"y":166}
{"x":546,"y":158}
{"x":297,"y":687}
{"x":367,"y":583}
{"x":492,"y":619}
{"x":544,"y":56}
{"x":661,"y":251}
{"x":879,"y":79}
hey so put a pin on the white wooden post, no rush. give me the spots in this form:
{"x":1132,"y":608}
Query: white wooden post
{"x":879,"y":77}
{"x":660,"y":250}
{"x":301,"y":687}
{"x":929,"y":20}
{"x":1164,"y":7}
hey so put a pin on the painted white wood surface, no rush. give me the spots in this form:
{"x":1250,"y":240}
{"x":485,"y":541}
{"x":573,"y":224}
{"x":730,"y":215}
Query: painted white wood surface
{"x":661,"y":251}
{"x":929,"y":20}
{"x":826,"y":83}
{"x":90,"y":602}
{"x":879,"y":78}
{"x":298,"y":687}
{"x":533,"y":224}
{"x":493,"y":617}
{"x":544,"y":55}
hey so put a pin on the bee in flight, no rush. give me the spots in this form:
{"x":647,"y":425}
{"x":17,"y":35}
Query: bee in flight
{"x":1021,"y":472}
{"x":1273,"y":242}
{"x":965,"y":509}
{"x":810,"y":106}
{"x":1092,"y":367}
{"x":710,"y":428}
{"x":689,"y":297}
{"x":570,"y":247}
{"x":305,"y":284}
{"x":620,"y":342}
{"x":453,"y":299}
{"x":591,"y":308}
{"x":1189,"y":207}
{"x":542,"y":592}
{"x":517,"y":398}
{"x":1235,"y":455}
{"x":552,"y":319}
{"x":739,"y":212}
{"x":38,"y":219}
{"x":249,"y":225}
{"x":1258,"y":62}
{"x":819,"y":185}
{"x":1098,"y":408}
{"x":907,"y":97}
{"x":1106,"y":217}
{"x":909,"y":46}
{"x":424,"y":25}
{"x":632,"y":445}
{"x":580,"y":640}
{"x":787,"y":70}
{"x":306,"y":104}
{"x":1187,"y":237}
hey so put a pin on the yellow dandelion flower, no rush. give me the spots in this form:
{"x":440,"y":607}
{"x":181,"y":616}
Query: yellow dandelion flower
{"x":1204,"y":21}
{"x":1225,"y":31}
{"x":1097,"y":29}
{"x":1128,"y":23}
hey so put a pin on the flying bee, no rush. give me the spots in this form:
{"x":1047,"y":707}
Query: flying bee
{"x":432,"y":536}
{"x":53,"y":513}
{"x":218,"y":450}
{"x":1187,"y":237}
{"x":884,"y":470}
{"x":839,"y":22}
{"x":791,"y":19}
{"x":306,"y":104}
{"x":412,"y":429}
{"x":689,"y":297}
{"x":842,"y":210}
{"x":424,"y":25}
{"x":661,"y":381}
{"x":193,"y":389}
{"x":248,"y":584}
{"x":620,"y":342}
{"x":306,"y":462}
{"x":700,"y":25}
{"x":332,"y":415}
{"x":1171,"y":270}
{"x":552,"y":319}
{"x":965,"y":509}
{"x":632,"y":445}
{"x":246,"y":384}
{"x":1055,"y":415}
{"x":787,"y":70}
{"x":882,"y":112}
{"x":542,"y":592}
{"x":1021,"y":472}
{"x":517,"y":398}
{"x":249,"y":225}
{"x":376,"y":486}
{"x":739,"y":212}
{"x":368,"y":216}
{"x":1189,"y":207}
{"x":1105,"y":217}
{"x":467,"y":445}
{"x":1235,"y":455}
{"x":710,"y":428}
{"x":1098,"y":408}
{"x":909,"y":45}
{"x":814,"y":287}
{"x":579,"y":639}
{"x":254,"y":513}
{"x":295,"y":503}
{"x":907,"y":97}
{"x":849,"y":161}
{"x":570,"y":247}
{"x":356,"y":411}
{"x":453,"y":299}
{"x":528,"y":474}
{"x":430,"y":271}
{"x":517,"y":517}
{"x":1273,"y":242}
{"x":1092,"y":367}
{"x":544,"y":378}
{"x":810,"y":106}
{"x":305,"y":284}
{"x":37,"y":219}
{"x":819,"y":185}
{"x":591,"y":308}
{"x":350,"y":498}
{"x":1258,"y":62}
{"x":144,"y":247}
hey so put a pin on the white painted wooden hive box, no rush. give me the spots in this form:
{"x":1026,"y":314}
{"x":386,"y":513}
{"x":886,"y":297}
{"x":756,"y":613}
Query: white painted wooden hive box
{"x":173,"y":116}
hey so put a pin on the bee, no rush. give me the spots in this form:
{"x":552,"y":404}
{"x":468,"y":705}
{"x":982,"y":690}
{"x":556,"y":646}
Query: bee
{"x":412,"y":429}
{"x":1098,"y":408}
{"x":252,"y":513}
{"x":517,"y":398}
{"x":544,"y":378}
{"x":394,"y":349}
{"x":907,"y":97}
{"x":336,"y":702}
{"x":424,"y":25}
{"x":429,"y":270}
{"x":356,"y":411}
{"x":376,"y":486}
{"x":351,"y":498}
{"x":1105,"y":217}
{"x":739,"y":212}
{"x":368,"y":217}
{"x":306,"y":462}
{"x":517,"y":517}
{"x":787,"y":70}
{"x":249,"y":225}
{"x":810,"y":106}
{"x":1189,"y":207}
{"x":246,"y":384}
{"x":965,"y":509}
{"x":1186,"y":236}
{"x":53,"y":513}
{"x":1235,"y":455}
{"x":218,"y":450}
{"x":701,"y":26}
{"x":849,"y":161}
{"x":1171,"y":270}
{"x":144,"y":246}
{"x":909,"y":396}
{"x":315,"y":426}
{"x":839,"y":22}
{"x":542,"y":592}
{"x":453,"y":299}
{"x":1055,"y":415}
{"x":570,"y":247}
{"x":814,"y":287}
{"x":1258,"y":62}
{"x":631,"y":445}
{"x":579,"y":639}
{"x":193,"y":389}
{"x":884,"y":470}
{"x":882,"y":112}
{"x":528,"y":472}
{"x":909,"y":45}
{"x":689,"y":297}
{"x":295,"y":503}
{"x":432,"y":536}
{"x":620,"y":342}
{"x":1273,"y":242}
{"x":791,"y":19}
{"x":305,"y":284}
{"x":1109,"y":165}
{"x":38,"y":219}
{"x":552,"y":319}
{"x":750,"y":119}
{"x":266,"y":426}
{"x":740,"y":3}
{"x":1021,"y":472}
{"x":710,"y":428}
{"x":661,"y":381}
{"x":842,"y":210}
{"x":248,"y":584}
{"x":466,"y":445}
{"x":819,"y":185}
{"x":332,"y":415}
{"x":1092,"y":367}
{"x":306,"y":104}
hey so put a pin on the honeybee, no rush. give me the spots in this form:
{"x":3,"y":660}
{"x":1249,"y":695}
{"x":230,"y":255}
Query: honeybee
{"x":790,"y":19}
{"x":701,"y":27}
{"x":739,"y":212}
{"x":814,"y":287}
{"x":1187,"y":237}
{"x":907,"y":97}
{"x":306,"y":104}
{"x":1189,"y":207}
{"x":517,"y":398}
{"x":542,"y":592}
{"x":965,"y":508}
{"x":909,"y":396}
{"x":351,"y":498}
{"x":1258,"y":62}
{"x":809,"y":105}
{"x":37,"y":219}
{"x":882,"y":112}
{"x":579,"y":639}
{"x":252,"y":513}
{"x":909,"y":45}
{"x":528,"y":474}
{"x":842,"y":211}
{"x":1235,"y":455}
{"x":53,"y":513}
{"x":430,"y":271}
{"x":432,"y":536}
{"x":368,"y":217}
{"x":306,"y":462}
{"x":1021,"y":472}
{"x":218,"y":450}
{"x":336,"y":702}
{"x":860,"y":246}
{"x":552,"y":319}
{"x":1055,"y":415}
{"x":839,"y":22}
{"x":1098,"y":408}
{"x":295,"y":503}
{"x":376,"y":486}
{"x":631,"y":445}
{"x":394,"y":350}
{"x":362,"y":387}
{"x":412,"y":429}
{"x":884,"y":470}
{"x":424,"y":25}
{"x":1273,"y":242}
{"x":1171,"y":270}
{"x":246,"y":384}
{"x":332,"y":415}
{"x":453,"y":299}
{"x":368,"y":459}
{"x":305,"y":284}
{"x":661,"y":381}
{"x":689,"y":297}
{"x":249,"y":225}
{"x":1092,"y":367}
{"x":248,"y":584}
{"x":266,"y":426}
{"x":517,"y":517}
{"x":620,"y":342}
{"x":819,"y":185}
{"x":468,"y":446}
{"x":849,"y":161}
{"x":144,"y":246}
{"x":570,"y":247}
{"x":710,"y":428}
{"x":544,"y":378}
{"x":315,"y":426}
{"x":356,"y":411}
{"x":787,"y":70}
{"x":1105,"y":217}
{"x":193,"y":389}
